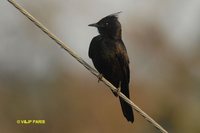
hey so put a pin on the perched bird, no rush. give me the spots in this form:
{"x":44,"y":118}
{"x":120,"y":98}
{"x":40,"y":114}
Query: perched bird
{"x":110,"y":58}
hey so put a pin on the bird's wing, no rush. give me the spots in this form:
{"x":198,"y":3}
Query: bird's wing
{"x":93,"y":46}
{"x":123,"y":60}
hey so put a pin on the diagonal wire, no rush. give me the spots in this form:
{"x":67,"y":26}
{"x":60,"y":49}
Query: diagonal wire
{"x":85,"y":64}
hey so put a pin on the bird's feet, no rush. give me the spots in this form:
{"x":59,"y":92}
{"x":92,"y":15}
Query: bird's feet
{"x":100,"y":76}
{"x":116,"y":93}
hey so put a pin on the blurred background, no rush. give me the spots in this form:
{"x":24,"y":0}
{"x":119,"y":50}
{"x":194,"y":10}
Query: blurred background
{"x":39,"y":80}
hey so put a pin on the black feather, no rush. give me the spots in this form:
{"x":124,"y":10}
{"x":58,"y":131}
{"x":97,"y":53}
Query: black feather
{"x":110,"y":57}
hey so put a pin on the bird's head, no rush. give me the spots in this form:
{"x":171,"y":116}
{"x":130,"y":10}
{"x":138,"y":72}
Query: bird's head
{"x":109,"y":26}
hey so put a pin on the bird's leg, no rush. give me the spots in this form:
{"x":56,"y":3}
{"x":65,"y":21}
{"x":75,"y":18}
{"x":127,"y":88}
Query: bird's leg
{"x":116,"y":93}
{"x":100,"y":77}
{"x":119,"y":89}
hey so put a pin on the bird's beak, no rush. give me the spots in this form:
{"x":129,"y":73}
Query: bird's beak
{"x":94,"y":25}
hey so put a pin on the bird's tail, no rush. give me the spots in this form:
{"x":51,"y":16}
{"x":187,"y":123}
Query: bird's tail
{"x":126,"y":108}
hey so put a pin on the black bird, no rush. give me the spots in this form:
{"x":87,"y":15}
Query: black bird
{"x":110,"y":58}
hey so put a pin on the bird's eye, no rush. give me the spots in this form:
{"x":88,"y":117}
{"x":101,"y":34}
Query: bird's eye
{"x":107,"y":24}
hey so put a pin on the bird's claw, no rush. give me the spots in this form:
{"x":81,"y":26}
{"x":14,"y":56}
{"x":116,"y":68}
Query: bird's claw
{"x":118,"y":91}
{"x":100,"y":76}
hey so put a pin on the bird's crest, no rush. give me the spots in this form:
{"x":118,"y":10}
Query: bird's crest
{"x":115,"y":14}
